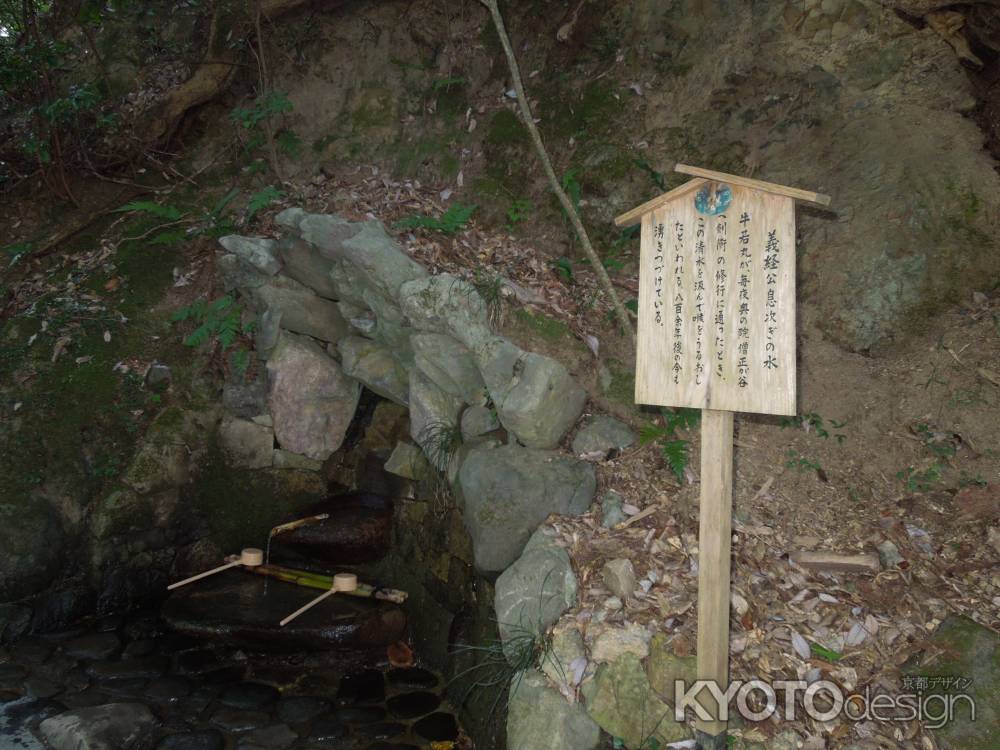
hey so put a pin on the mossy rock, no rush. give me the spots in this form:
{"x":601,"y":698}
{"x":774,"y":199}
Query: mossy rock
{"x":967,"y":651}
{"x":241,"y":506}
{"x":542,"y":325}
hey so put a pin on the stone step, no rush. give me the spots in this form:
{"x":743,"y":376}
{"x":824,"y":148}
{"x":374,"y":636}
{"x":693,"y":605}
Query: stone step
{"x":357,"y":531}
{"x":245,"y":609}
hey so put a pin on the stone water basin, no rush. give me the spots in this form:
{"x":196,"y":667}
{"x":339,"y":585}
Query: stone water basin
{"x":244,"y":609}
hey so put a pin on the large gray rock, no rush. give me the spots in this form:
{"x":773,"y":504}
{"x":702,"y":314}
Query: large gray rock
{"x":236,"y":273}
{"x":533,"y":592}
{"x":447,"y":304}
{"x":258,"y":252}
{"x":302,"y":311}
{"x":964,"y":650}
{"x":624,"y":704}
{"x":312,"y":402}
{"x":478,"y":420}
{"x":509,"y":491}
{"x":539,"y":718}
{"x":433,"y":417}
{"x":113,"y":726}
{"x":535,"y":396}
{"x":247,"y":400}
{"x":31,"y":539}
{"x":391,"y":328}
{"x":304,"y":264}
{"x":450,"y":365}
{"x":367,"y":361}
{"x":246,"y":444}
{"x":366,"y":245}
{"x":601,"y":435}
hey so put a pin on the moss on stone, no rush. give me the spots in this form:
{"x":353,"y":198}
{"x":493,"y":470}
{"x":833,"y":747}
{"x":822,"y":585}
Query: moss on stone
{"x":540,"y":324}
{"x":622,"y":386}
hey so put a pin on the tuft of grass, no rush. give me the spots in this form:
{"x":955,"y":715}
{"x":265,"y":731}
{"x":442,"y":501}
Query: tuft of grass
{"x":490,"y":288}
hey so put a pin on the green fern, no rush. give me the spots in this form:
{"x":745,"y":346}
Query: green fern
{"x":262,"y":199}
{"x":676,"y":451}
{"x":170,"y":213}
{"x":218,"y":320}
{"x":452,"y":221}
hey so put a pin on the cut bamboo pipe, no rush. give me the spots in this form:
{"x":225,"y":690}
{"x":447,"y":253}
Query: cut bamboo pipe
{"x":341,"y":582}
{"x":324,"y":582}
{"x":250,"y":557}
{"x":292,"y":525}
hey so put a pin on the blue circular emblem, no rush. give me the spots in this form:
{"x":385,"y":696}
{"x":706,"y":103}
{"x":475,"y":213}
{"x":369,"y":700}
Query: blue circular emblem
{"x":713,"y":199}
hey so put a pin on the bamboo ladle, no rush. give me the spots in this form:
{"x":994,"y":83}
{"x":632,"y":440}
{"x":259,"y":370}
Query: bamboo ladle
{"x":341,"y":582}
{"x":251,"y":557}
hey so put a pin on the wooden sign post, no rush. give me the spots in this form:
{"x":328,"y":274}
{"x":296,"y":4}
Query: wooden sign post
{"x":717,"y":332}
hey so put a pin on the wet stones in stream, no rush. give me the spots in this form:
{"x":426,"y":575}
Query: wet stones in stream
{"x":177,"y":692}
{"x":239,"y":608}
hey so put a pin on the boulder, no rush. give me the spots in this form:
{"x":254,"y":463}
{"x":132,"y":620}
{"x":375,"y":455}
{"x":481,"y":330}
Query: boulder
{"x":288,"y":460}
{"x":266,"y":334}
{"x":663,"y":668}
{"x":408,"y":461}
{"x":539,"y":718}
{"x":258,"y":252}
{"x":565,"y":660}
{"x":477,"y":421}
{"x":31,"y":538}
{"x":619,"y":577}
{"x":532,"y":594}
{"x":246,"y":444}
{"x":360,"y":317}
{"x":113,"y":726}
{"x":535,"y":396}
{"x":509,"y":491}
{"x":366,"y":245}
{"x":601,"y":435}
{"x":372,"y":364}
{"x":447,"y":304}
{"x":246,"y":400}
{"x":301,"y":310}
{"x":450,"y":365}
{"x":964,"y":650}
{"x":391,"y":328}
{"x":433,"y":418}
{"x":622,"y":702}
{"x":611,"y":509}
{"x":312,"y":402}
{"x":304,"y":264}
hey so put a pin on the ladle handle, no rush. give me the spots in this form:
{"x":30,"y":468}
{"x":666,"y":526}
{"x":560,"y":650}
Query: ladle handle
{"x":207,"y":573}
{"x":310,"y":605}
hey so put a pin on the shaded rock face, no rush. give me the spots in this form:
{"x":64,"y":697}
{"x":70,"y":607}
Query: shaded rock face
{"x":31,"y":539}
{"x":533,"y":593}
{"x":307,"y":267}
{"x":357,"y":531}
{"x":509,"y":491}
{"x":535,"y":396}
{"x":235,"y":607}
{"x":301,"y":310}
{"x":312,"y":402}
{"x":114,"y":726}
{"x":540,"y":718}
{"x":375,"y":366}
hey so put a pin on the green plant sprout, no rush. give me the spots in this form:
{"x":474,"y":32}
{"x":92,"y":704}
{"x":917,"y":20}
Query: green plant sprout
{"x":451,"y":221}
{"x":676,"y":451}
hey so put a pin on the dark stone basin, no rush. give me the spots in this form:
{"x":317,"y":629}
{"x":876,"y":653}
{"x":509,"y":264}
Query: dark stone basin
{"x":357,"y":531}
{"x":234,"y":606}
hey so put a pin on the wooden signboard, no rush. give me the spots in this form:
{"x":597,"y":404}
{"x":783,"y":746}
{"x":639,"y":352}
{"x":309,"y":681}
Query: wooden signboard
{"x":717,"y":333}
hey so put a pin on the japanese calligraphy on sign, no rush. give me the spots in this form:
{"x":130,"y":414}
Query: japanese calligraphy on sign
{"x":717,"y":295}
